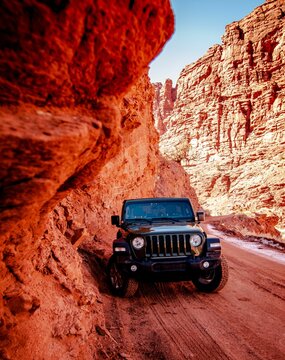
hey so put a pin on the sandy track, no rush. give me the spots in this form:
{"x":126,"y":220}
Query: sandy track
{"x":246,"y":320}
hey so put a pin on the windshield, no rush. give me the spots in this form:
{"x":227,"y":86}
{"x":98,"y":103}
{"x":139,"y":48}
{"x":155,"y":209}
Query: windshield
{"x":155,"y":210}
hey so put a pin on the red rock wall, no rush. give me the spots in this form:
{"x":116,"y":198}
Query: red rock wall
{"x":70,"y":310}
{"x":130,"y":173}
{"x":227,"y":126}
{"x":136,"y":171}
{"x":65,"y":67}
{"x":164,"y":98}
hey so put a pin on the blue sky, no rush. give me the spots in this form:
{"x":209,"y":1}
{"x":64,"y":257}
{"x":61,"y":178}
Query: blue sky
{"x":199,"y":24}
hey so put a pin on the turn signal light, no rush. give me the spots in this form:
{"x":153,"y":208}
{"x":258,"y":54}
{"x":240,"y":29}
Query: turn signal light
{"x":120,"y":248}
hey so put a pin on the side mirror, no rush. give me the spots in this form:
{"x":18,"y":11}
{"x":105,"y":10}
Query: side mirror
{"x":115,"y":220}
{"x":201,"y":215}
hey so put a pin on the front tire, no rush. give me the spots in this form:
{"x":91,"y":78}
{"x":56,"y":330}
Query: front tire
{"x":120,"y":283}
{"x":213,"y":280}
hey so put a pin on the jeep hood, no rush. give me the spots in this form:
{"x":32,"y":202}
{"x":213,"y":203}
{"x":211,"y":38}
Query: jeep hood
{"x":159,"y":228}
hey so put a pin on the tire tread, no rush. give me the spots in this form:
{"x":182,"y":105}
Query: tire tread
{"x":222,"y":272}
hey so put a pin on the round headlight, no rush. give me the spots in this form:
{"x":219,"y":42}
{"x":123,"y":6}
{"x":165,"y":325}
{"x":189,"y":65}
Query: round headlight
{"x":138,"y":243}
{"x":196,"y":240}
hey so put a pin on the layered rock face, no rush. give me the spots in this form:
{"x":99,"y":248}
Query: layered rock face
{"x":136,"y":171}
{"x":227,"y":126}
{"x":164,"y":98}
{"x":66,"y":68}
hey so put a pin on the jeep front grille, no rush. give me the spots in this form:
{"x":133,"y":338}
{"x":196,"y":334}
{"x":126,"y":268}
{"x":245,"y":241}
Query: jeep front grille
{"x":168,"y":245}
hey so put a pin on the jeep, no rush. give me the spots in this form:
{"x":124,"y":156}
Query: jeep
{"x":159,"y":239}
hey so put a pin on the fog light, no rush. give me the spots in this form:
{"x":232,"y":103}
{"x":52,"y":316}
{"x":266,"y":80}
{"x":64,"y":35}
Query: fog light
{"x":134,"y":268}
{"x":206,"y":264}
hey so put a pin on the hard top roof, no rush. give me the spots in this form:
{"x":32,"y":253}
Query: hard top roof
{"x":157,"y":199}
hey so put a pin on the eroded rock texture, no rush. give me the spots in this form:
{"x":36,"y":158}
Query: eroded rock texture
{"x":65,"y":70}
{"x":227,"y":125}
{"x":136,"y":171}
{"x":165,"y":96}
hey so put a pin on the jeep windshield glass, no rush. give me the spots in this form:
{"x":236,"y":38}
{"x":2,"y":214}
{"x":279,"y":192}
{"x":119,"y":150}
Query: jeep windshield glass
{"x":174,"y":210}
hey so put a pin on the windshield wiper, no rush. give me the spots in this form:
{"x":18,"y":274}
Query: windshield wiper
{"x":134,"y":221}
{"x":142,"y":219}
{"x":168,"y":218}
{"x":189,"y":220}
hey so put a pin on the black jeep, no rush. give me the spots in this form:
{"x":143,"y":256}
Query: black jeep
{"x":160,"y":240}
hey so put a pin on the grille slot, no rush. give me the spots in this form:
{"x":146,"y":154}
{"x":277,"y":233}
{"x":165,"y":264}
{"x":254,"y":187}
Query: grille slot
{"x":168,"y":245}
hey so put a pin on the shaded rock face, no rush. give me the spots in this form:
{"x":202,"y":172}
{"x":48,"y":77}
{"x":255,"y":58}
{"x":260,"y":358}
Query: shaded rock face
{"x":48,"y":293}
{"x":172,"y":180}
{"x":70,"y":309}
{"x":137,"y":171}
{"x":64,"y":67}
{"x":130,"y":173}
{"x":65,"y":71}
{"x":227,"y":125}
{"x":72,"y":63}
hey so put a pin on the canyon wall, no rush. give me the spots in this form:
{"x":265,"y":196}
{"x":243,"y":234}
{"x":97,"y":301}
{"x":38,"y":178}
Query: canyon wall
{"x":227,"y":125}
{"x":137,"y":170}
{"x":163,"y":102}
{"x":76,"y":137}
{"x":64,"y":68}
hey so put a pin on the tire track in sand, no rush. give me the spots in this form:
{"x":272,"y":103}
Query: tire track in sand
{"x":187,"y":335}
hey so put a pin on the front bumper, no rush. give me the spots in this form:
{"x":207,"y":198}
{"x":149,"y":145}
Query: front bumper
{"x":167,"y":269}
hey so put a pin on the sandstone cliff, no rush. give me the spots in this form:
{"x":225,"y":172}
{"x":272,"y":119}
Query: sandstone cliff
{"x":165,"y":96}
{"x":136,"y":171}
{"x":67,"y":110}
{"x":227,"y":124}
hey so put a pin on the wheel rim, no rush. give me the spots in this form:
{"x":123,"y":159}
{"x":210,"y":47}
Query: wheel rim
{"x":116,"y":277}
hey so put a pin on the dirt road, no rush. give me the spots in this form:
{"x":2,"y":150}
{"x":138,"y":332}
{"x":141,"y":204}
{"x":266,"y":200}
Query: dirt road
{"x":246,"y":320}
